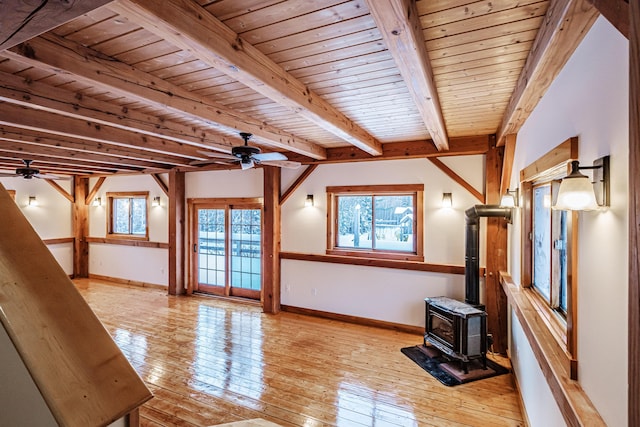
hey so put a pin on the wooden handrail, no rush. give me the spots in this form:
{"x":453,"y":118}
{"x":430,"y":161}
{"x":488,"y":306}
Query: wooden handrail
{"x":81,"y":373}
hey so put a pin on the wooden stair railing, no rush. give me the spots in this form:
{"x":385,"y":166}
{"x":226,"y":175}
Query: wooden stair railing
{"x":82,"y":375}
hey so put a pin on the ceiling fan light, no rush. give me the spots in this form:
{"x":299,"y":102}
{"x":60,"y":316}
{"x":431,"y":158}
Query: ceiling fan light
{"x":246,"y":163}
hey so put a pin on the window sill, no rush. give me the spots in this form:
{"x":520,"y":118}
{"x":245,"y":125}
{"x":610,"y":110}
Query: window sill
{"x":557,"y":328}
{"x":397,"y":256}
{"x":553,"y":360}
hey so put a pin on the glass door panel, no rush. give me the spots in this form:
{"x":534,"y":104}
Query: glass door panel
{"x":211,"y":251}
{"x":228,"y":253}
{"x":246,"y":252}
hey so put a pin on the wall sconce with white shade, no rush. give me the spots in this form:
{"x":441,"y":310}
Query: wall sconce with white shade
{"x":97,"y":201}
{"x":510,"y":199}
{"x":32,"y":201}
{"x":578,"y":193}
{"x":308,"y":202}
{"x":156,"y":201}
{"x":447,"y":200}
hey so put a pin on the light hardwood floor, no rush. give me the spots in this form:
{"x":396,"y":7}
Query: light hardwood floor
{"x":209,"y":361}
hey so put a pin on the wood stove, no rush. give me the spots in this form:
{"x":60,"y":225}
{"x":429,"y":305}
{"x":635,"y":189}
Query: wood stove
{"x":457,"y":329}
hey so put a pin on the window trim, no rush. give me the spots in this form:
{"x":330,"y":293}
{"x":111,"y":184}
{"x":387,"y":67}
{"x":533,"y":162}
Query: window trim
{"x":415,"y":190}
{"x":126,"y":194}
{"x":552,"y":165}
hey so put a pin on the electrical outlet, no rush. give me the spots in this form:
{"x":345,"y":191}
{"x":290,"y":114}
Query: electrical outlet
{"x":314,"y":291}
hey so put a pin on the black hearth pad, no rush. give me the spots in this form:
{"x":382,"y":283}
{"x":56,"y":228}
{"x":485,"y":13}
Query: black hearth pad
{"x":446,"y":371}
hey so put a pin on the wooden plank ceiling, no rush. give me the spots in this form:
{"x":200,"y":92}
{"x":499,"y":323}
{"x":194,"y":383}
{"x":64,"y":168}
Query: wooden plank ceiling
{"x":146,"y":86}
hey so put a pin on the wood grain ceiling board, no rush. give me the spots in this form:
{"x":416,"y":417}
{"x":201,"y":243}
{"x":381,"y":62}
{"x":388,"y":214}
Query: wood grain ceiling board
{"x":477,"y":52}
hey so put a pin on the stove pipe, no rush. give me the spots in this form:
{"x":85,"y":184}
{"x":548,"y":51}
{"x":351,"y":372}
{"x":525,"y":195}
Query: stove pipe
{"x":472,"y":247}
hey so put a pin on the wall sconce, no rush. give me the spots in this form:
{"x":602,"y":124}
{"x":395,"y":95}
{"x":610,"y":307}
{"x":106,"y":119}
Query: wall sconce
{"x":32,"y":201}
{"x":156,"y":201}
{"x":447,"y":200}
{"x":97,"y":201}
{"x":308,"y":202}
{"x":510,"y":199}
{"x":578,"y":193}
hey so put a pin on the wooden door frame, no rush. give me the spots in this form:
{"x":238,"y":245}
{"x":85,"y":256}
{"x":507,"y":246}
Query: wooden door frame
{"x":193,"y":205}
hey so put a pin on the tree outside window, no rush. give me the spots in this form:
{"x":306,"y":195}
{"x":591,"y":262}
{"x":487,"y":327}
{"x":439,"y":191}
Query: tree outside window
{"x":376,"y":221}
{"x":128,"y":215}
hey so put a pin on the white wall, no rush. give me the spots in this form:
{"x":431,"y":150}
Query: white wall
{"x":51,"y":218}
{"x":589,"y":99}
{"x":377,"y":293}
{"x":148,"y":265}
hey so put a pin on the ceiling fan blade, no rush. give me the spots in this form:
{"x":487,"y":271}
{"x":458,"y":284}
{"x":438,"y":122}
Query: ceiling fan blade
{"x":266,"y":157}
{"x":288,"y":164}
{"x":9,"y":174}
{"x":247,"y":165}
{"x":49,"y":176}
{"x":217,"y":155}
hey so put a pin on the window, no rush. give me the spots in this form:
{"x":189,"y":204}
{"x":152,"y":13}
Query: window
{"x":549,"y":266}
{"x":128,"y":215}
{"x":549,"y":248}
{"x":384,"y":221}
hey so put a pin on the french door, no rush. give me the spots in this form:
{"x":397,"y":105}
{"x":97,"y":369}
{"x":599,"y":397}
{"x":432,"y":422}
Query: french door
{"x":226,"y":247}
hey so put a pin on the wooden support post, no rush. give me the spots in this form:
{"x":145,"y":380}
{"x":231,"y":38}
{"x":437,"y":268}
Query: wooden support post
{"x":176,"y":233}
{"x":80,"y":227}
{"x":271,"y":241}
{"x":496,"y":253}
{"x":634,"y":214}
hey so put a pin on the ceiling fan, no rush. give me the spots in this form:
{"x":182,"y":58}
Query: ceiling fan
{"x":248,"y":156}
{"x":27,"y":172}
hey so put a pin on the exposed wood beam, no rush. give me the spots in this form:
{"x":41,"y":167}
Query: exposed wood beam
{"x":400,"y":27}
{"x":22,"y":20}
{"x":404,"y":150}
{"x":164,"y":187}
{"x":271,"y":240}
{"x":80,"y":227}
{"x":11,"y":163}
{"x":305,"y":174}
{"x":496,"y":254}
{"x":73,"y":148}
{"x":566,"y":23}
{"x":45,"y":162}
{"x":616,"y":12}
{"x":457,"y":178}
{"x":191,"y":27}
{"x":507,"y":167}
{"x":49,"y":98}
{"x":64,"y":56}
{"x":61,"y":190}
{"x":94,"y":190}
{"x":43,"y":121}
{"x":177,"y":236}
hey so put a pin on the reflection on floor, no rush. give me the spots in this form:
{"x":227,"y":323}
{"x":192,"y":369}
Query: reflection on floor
{"x":210,"y":361}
